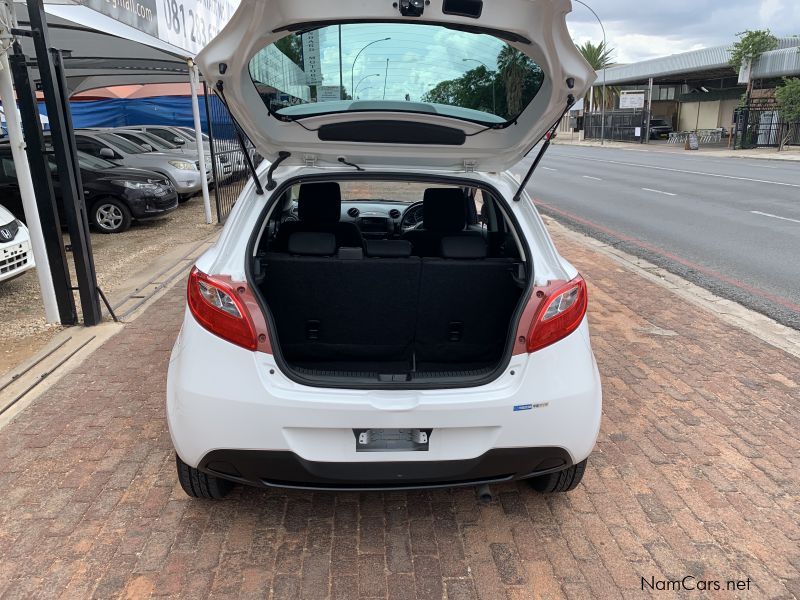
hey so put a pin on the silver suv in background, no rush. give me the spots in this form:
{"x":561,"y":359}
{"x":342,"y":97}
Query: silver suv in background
{"x":183,"y":173}
{"x":157,"y":144}
{"x":185,"y":135}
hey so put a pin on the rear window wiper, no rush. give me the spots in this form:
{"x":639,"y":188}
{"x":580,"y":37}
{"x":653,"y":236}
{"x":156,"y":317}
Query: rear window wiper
{"x":547,"y":139}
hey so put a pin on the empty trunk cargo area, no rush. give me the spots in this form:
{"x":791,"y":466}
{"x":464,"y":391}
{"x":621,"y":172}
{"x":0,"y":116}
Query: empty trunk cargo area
{"x":390,"y":318}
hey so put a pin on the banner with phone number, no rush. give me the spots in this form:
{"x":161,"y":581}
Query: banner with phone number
{"x":187,"y":24}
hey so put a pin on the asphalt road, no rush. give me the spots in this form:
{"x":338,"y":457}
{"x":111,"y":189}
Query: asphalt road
{"x":730,"y":225}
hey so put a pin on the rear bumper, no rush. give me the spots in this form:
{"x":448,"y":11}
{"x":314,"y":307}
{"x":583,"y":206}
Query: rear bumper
{"x":264,"y":468}
{"x":224,"y":398}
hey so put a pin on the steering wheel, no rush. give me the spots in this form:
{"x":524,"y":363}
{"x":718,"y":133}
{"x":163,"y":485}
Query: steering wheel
{"x":412,"y":217}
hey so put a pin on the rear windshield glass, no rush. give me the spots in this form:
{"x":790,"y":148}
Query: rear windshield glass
{"x":398,"y":67}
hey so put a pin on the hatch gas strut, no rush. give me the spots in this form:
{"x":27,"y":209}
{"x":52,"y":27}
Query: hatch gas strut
{"x":547,"y":138}
{"x":251,"y":167}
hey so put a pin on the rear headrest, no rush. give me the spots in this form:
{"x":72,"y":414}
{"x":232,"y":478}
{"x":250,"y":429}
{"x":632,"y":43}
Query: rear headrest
{"x":388,"y":248}
{"x":310,"y":243}
{"x":463,"y":247}
{"x":319,"y":202}
{"x":444,"y":210}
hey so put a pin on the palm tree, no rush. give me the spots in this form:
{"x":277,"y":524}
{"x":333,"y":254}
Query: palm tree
{"x":513,"y":65}
{"x":599,"y":57}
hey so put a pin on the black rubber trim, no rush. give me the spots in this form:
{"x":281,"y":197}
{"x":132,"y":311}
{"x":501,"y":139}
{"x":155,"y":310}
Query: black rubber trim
{"x":443,"y":383}
{"x":392,"y":132}
{"x":463,"y":8}
{"x":281,"y":468}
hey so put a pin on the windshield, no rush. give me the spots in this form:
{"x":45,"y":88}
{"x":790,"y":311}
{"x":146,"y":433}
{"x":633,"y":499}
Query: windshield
{"x":189,"y":134}
{"x":659,"y":123}
{"x":87,"y":161}
{"x":396,"y":66}
{"x":157,"y":142}
{"x":121,"y":143}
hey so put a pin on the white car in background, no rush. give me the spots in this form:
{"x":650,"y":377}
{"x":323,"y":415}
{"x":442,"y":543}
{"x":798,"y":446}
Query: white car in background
{"x":390,"y":311}
{"x":16,"y":255}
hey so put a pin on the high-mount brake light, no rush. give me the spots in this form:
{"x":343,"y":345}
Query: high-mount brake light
{"x":215,"y":306}
{"x":559,"y":315}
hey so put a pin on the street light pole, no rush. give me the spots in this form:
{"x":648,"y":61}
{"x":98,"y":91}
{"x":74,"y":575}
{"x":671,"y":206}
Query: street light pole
{"x":362,"y":80}
{"x":352,"y":68}
{"x":603,"y":104}
{"x":488,"y":70}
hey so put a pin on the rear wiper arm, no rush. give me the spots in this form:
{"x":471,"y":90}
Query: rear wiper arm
{"x":250,"y":166}
{"x":547,"y":138}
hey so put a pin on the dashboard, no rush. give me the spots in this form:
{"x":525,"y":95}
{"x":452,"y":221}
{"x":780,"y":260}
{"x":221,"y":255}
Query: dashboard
{"x":378,"y":219}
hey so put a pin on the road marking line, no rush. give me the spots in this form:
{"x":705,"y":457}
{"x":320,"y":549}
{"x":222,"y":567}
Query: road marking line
{"x":590,"y":177}
{"x":659,"y":192}
{"x":617,"y":162}
{"x":763,"y":214}
{"x":549,"y":169}
{"x":785,"y":302}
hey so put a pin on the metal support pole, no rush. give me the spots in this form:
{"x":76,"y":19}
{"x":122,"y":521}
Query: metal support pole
{"x":24,"y":179}
{"x":213,"y":148}
{"x":649,"y":111}
{"x":194,"y":79}
{"x":56,"y":96}
{"x":605,"y":47}
{"x":43,"y":188}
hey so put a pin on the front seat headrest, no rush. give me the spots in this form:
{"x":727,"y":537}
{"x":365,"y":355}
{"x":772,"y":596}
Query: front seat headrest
{"x":444,"y":210}
{"x":319,"y":202}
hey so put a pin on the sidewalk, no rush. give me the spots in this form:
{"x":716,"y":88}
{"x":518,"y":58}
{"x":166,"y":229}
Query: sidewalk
{"x":696,"y":472}
{"x":792,"y":154}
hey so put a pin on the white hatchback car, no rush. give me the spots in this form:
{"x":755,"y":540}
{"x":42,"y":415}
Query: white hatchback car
{"x":385,"y":309}
{"x":16,"y":255}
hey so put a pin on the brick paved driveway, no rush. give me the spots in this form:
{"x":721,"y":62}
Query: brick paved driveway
{"x":697,"y":472}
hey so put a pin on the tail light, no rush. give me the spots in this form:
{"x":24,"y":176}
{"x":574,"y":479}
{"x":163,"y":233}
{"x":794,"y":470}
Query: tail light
{"x":215,"y":305}
{"x":559,"y":314}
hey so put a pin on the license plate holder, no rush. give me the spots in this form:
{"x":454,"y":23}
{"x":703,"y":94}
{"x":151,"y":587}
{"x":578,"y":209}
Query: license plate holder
{"x":392,"y":440}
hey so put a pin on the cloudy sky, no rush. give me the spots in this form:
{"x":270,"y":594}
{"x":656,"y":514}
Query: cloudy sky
{"x":642,"y":29}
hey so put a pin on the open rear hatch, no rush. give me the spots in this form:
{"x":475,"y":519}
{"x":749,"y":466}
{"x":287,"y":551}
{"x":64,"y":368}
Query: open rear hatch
{"x":449,"y":84}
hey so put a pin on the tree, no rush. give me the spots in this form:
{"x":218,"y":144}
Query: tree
{"x":788,"y":96}
{"x":751,"y":45}
{"x":512,"y":65}
{"x":292,"y":47}
{"x":599,"y":57}
{"x":472,"y":90}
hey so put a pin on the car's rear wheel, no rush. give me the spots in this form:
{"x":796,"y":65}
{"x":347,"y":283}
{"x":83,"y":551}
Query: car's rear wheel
{"x":561,"y":481}
{"x":201,"y":485}
{"x":110,"y":215}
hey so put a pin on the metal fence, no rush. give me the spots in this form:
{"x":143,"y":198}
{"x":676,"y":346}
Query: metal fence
{"x":228,"y":159}
{"x":760,"y":125}
{"x":621,"y":125}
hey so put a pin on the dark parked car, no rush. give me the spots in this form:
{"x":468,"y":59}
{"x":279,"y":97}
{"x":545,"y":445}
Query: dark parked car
{"x":659,"y":129}
{"x":115,"y":196}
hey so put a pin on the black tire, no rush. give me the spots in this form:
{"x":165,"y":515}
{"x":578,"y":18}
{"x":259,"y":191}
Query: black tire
{"x":561,"y":481}
{"x":184,"y":197}
{"x":201,"y":485}
{"x":110,"y":215}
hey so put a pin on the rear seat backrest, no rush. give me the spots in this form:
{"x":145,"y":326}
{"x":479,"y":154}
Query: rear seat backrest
{"x":465,"y":303}
{"x":341,"y":308}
